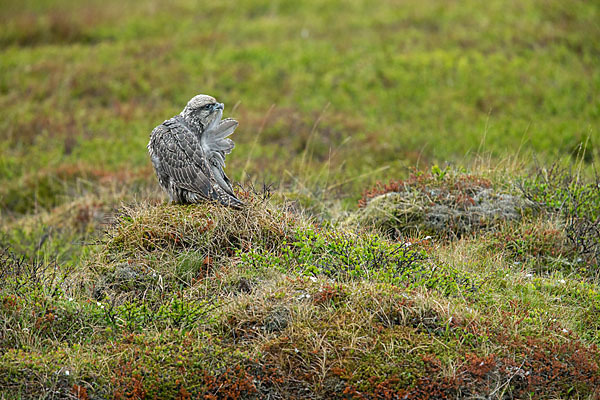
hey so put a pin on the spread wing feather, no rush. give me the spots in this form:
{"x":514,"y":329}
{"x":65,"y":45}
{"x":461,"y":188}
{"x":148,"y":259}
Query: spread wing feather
{"x":216,"y":139}
{"x":216,"y":145}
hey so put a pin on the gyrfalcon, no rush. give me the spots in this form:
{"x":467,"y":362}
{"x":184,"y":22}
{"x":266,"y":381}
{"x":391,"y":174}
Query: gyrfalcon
{"x":188,"y":153}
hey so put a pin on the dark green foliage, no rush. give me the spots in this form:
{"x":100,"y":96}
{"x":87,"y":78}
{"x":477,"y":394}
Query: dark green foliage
{"x":343,"y":256}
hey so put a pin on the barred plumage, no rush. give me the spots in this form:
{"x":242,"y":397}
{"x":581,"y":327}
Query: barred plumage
{"x":188,"y":153}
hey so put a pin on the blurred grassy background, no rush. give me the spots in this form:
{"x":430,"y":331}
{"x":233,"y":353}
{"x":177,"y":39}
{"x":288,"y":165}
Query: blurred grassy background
{"x":333,"y":95}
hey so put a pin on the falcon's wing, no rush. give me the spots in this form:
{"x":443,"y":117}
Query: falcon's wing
{"x":181,"y":158}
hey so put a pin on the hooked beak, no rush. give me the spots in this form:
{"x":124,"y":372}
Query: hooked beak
{"x":216,"y":112}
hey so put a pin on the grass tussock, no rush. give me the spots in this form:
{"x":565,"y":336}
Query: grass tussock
{"x":211,"y":229}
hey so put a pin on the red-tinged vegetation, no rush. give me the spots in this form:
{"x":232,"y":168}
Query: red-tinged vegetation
{"x":190,"y":296}
{"x":329,"y":294}
{"x":127,"y":382}
{"x":79,"y":392}
{"x":523,"y":366}
{"x":533,"y":242}
{"x":447,"y":204}
{"x":546,"y":370}
{"x":237,"y":382}
{"x":232,"y":384}
{"x":10,"y":303}
{"x":459,"y":188}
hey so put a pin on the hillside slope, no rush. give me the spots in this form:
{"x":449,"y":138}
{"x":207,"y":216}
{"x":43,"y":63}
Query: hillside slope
{"x":192,"y":301}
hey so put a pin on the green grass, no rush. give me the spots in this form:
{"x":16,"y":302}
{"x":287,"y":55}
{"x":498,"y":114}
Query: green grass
{"x":471,"y":272}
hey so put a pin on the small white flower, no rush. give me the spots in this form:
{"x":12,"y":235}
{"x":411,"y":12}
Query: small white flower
{"x":98,"y":303}
{"x":427,"y":237}
{"x":562,"y":281}
{"x":296,"y":350}
{"x":67,"y":372}
{"x":565,"y":331}
{"x":304,"y":296}
{"x":70,"y":299}
{"x":528,"y":275}
{"x":312,"y":278}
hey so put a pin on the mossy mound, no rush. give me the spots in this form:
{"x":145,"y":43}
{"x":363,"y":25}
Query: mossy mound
{"x":169,"y":245}
{"x":208,"y":228}
{"x":447,"y":204}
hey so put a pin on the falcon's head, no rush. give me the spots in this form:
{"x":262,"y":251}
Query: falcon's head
{"x":203,"y":110}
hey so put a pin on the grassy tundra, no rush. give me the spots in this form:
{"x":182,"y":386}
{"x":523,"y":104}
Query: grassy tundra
{"x":470,"y":272}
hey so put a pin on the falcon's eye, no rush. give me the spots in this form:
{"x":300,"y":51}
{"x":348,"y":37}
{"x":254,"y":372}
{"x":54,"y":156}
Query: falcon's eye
{"x":207,"y":106}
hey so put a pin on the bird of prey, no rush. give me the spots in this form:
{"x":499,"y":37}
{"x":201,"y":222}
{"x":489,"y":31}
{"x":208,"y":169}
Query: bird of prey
{"x":188,"y":153}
